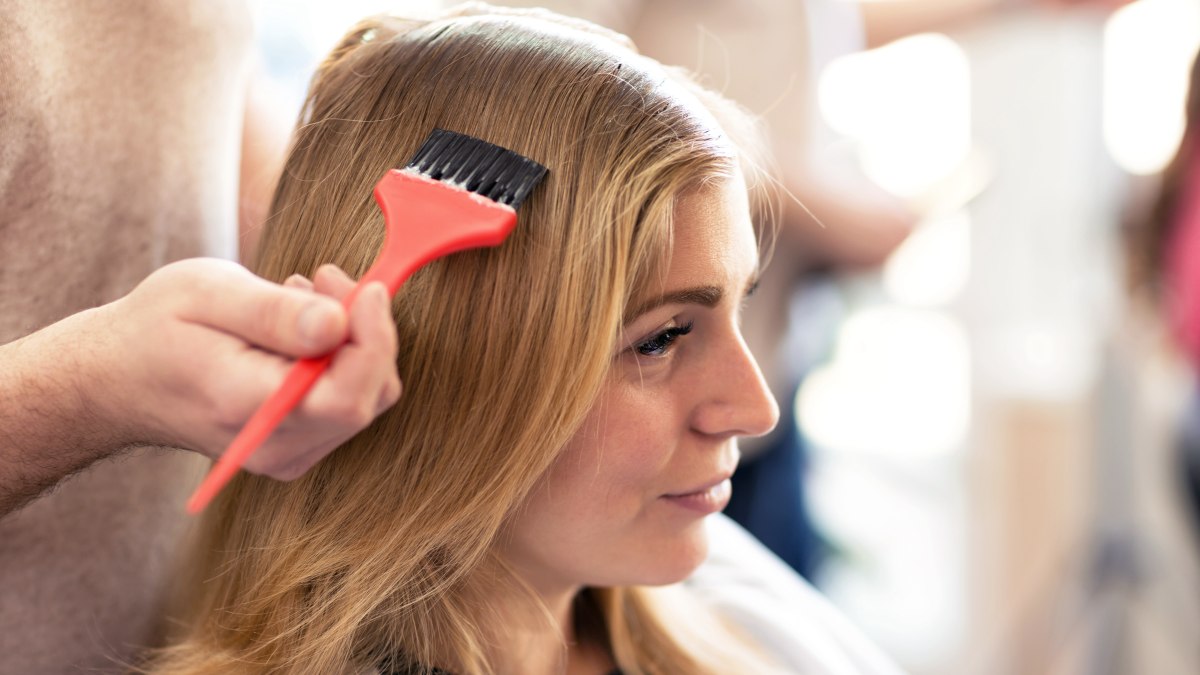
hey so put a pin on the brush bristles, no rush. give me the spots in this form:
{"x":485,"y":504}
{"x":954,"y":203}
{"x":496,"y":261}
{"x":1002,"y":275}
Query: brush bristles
{"x":485,"y":169}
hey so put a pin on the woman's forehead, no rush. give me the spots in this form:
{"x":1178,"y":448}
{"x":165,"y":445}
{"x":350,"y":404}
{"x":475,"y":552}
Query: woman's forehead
{"x":712,"y":242}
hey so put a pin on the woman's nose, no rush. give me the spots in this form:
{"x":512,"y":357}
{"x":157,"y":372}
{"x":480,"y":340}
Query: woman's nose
{"x":735,"y":399}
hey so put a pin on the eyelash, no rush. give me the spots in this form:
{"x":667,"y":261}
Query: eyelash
{"x":660,"y":343}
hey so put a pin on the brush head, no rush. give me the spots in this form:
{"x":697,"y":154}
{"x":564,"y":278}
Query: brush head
{"x":478,"y":166}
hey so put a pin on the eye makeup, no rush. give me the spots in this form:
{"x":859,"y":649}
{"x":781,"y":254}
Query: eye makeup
{"x":660,"y":343}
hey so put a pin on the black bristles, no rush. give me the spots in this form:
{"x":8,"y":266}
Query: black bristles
{"x":485,"y":169}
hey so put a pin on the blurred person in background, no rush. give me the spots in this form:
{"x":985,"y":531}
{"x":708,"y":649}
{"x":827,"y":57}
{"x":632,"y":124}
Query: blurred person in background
{"x":1166,"y":263}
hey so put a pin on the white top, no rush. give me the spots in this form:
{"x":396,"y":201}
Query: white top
{"x":749,"y":585}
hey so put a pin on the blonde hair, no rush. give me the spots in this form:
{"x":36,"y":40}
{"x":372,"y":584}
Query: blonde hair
{"x":376,"y":553}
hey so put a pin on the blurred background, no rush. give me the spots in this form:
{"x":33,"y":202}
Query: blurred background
{"x":989,"y":407}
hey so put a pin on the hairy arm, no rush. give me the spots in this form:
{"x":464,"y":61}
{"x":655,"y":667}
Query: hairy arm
{"x":49,"y":429}
{"x":183,"y":361}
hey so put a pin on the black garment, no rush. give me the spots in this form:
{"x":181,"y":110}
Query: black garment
{"x":1188,"y":458}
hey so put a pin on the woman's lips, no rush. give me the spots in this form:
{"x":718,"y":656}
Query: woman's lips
{"x":707,"y":500}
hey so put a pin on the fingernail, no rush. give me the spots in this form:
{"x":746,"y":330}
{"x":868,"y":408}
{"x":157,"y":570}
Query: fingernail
{"x":298,"y":280}
{"x":312,"y":322}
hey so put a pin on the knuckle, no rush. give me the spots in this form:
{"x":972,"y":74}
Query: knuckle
{"x":182,"y":271}
{"x":191,"y":283}
{"x":345,"y":410}
{"x":298,"y":281}
{"x":197,"y":274}
{"x":364,"y":412}
{"x":357,"y":411}
{"x":164,"y":282}
{"x":393,"y":390}
{"x":291,"y":472}
{"x":345,"y":405}
{"x":275,"y":462}
{"x":265,"y":467}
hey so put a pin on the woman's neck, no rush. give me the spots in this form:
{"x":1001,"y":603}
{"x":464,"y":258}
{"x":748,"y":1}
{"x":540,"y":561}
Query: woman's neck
{"x":555,"y":639}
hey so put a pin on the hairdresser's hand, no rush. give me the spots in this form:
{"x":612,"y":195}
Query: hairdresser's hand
{"x":199,"y":344}
{"x":183,"y":361}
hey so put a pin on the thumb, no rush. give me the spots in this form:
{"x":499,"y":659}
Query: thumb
{"x":287,"y":320}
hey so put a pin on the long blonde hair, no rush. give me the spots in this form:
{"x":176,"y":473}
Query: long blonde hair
{"x":373,"y":555}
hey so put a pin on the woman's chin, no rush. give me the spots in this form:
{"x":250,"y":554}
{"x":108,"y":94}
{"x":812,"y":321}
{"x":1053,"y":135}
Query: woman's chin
{"x":673,"y":561}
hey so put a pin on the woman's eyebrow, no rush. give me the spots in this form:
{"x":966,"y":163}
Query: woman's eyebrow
{"x":705,"y":296}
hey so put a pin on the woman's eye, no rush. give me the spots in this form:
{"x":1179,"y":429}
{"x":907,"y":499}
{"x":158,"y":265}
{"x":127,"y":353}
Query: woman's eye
{"x":661,"y":342}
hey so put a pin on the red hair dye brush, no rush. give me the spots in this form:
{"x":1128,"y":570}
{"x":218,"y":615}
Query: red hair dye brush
{"x":456,"y":193}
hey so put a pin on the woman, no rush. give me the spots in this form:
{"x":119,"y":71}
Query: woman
{"x":572,"y":398}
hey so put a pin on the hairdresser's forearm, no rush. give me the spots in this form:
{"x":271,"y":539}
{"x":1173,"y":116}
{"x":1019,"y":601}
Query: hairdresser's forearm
{"x":50,"y":427}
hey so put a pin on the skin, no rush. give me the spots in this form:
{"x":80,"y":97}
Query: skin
{"x":90,"y":386}
{"x":612,"y":510}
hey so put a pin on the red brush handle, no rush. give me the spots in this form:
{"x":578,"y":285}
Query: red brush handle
{"x":425,"y":219}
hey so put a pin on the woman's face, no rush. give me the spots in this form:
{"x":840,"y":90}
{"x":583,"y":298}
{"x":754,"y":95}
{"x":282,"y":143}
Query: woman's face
{"x":625,"y":501}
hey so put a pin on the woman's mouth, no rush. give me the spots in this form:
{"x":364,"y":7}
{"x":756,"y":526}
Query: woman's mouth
{"x":706,"y":500}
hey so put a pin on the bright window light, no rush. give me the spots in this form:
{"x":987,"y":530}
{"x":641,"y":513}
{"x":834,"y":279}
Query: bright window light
{"x":930,"y":268}
{"x":1148,"y":47}
{"x":907,"y":107}
{"x":899,"y":386}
